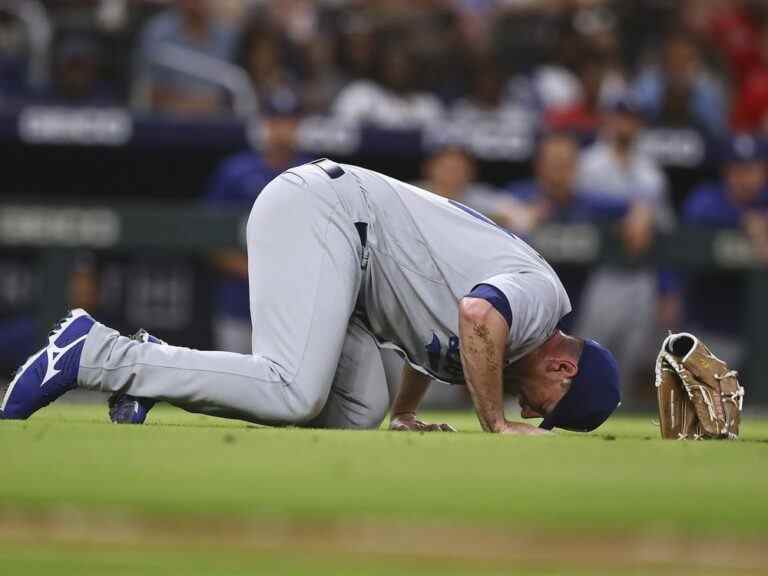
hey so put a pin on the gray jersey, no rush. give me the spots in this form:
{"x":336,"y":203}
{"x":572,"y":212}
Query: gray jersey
{"x":424,"y":254}
{"x":324,"y":243}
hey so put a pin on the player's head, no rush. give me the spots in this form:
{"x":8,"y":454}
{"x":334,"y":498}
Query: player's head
{"x":572,"y":383}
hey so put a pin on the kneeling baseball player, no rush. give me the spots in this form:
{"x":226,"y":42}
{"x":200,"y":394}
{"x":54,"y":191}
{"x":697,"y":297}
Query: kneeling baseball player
{"x":342,"y":262}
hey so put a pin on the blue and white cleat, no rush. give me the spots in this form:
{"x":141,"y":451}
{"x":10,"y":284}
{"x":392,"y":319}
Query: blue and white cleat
{"x":51,"y":372}
{"x":127,"y":409}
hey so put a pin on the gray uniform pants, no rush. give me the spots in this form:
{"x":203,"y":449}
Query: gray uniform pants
{"x":618,"y":309}
{"x":312,"y":363}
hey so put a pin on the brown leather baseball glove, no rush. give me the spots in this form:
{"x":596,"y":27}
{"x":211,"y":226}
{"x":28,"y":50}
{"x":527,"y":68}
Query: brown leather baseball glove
{"x":699,"y":397}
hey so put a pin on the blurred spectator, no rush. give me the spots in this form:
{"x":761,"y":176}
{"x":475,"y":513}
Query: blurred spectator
{"x":14,"y":56}
{"x":575,"y":68}
{"x":357,"y":45}
{"x":631,"y":187}
{"x":486,"y":103}
{"x":18,"y":324}
{"x":598,"y":85}
{"x":738,"y":201}
{"x":324,"y":80}
{"x":524,"y":34}
{"x":76,"y":72}
{"x":734,"y":27}
{"x":751,"y":107}
{"x":451,"y":172}
{"x":446,"y":60}
{"x":262,"y":55}
{"x":395,"y":99}
{"x":235,"y":186}
{"x":19,"y":327}
{"x":679,"y":91}
{"x":189,"y":25}
{"x":552,"y":196}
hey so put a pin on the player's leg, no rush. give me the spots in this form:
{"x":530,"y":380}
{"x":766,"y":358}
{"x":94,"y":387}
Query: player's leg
{"x":366,"y":381}
{"x":609,"y":314}
{"x":304,"y":259}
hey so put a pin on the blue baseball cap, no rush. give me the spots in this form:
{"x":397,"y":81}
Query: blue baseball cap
{"x":594,"y":393}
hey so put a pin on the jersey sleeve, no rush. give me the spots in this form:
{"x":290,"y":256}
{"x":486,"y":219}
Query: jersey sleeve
{"x":529,"y":302}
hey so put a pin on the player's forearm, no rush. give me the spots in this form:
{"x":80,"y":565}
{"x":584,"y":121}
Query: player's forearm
{"x":483,"y":333}
{"x":412,"y":389}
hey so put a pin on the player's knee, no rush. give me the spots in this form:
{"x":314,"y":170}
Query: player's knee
{"x":370,"y":420}
{"x":304,"y":406}
{"x":377,"y":411}
{"x":373,"y":413}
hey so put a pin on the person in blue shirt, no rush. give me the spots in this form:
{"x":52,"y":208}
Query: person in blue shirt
{"x":739,"y":200}
{"x":571,"y":187}
{"x":681,"y":91}
{"x":742,"y":191}
{"x":186,"y":27}
{"x":552,"y":196}
{"x":235,"y":186}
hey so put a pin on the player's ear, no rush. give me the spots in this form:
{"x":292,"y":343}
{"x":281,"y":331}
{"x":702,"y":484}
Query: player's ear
{"x":569,"y":367}
{"x":564,"y":366}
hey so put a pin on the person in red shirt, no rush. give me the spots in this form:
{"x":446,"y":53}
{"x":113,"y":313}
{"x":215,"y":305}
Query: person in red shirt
{"x":750,"y":112}
{"x":734,"y":28}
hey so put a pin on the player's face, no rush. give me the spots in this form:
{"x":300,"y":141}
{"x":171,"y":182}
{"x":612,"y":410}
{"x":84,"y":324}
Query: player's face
{"x":542,"y":383}
{"x":538,"y":401}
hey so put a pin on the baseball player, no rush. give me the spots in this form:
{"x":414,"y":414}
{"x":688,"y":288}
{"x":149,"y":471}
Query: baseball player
{"x":344,"y":262}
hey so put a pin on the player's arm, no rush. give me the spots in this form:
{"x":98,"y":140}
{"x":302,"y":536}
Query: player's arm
{"x":412,"y":389}
{"x":483,"y":332}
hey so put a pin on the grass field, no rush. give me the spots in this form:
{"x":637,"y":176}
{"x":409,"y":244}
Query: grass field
{"x":194,"y":495}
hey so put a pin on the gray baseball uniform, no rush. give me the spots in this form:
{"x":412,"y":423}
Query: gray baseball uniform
{"x":342,"y":261}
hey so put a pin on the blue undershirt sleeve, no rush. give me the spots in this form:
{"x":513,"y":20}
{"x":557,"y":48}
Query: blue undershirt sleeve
{"x":495,"y":297}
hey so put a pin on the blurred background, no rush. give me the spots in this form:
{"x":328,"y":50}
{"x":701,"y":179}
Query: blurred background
{"x":623,"y":138}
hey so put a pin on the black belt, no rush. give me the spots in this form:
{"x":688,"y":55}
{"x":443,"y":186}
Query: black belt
{"x":335,"y":171}
{"x":329,"y":167}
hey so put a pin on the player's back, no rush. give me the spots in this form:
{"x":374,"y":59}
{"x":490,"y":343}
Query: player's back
{"x":425,"y":254}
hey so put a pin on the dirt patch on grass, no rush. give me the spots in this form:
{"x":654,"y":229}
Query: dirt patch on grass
{"x":381,"y":540}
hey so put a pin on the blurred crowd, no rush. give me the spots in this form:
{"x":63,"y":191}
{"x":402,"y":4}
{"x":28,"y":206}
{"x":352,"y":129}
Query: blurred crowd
{"x":397,"y":63}
{"x":557,"y":68}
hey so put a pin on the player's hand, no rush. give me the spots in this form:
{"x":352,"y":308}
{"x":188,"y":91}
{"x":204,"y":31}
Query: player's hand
{"x":521,"y":429}
{"x":409,"y":423}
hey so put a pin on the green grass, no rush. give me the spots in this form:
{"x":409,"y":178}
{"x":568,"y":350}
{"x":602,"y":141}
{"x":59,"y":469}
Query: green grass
{"x":188,"y":470}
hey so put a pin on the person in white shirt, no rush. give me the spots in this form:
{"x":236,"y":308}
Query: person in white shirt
{"x":393,"y":101}
{"x":629,"y":186}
